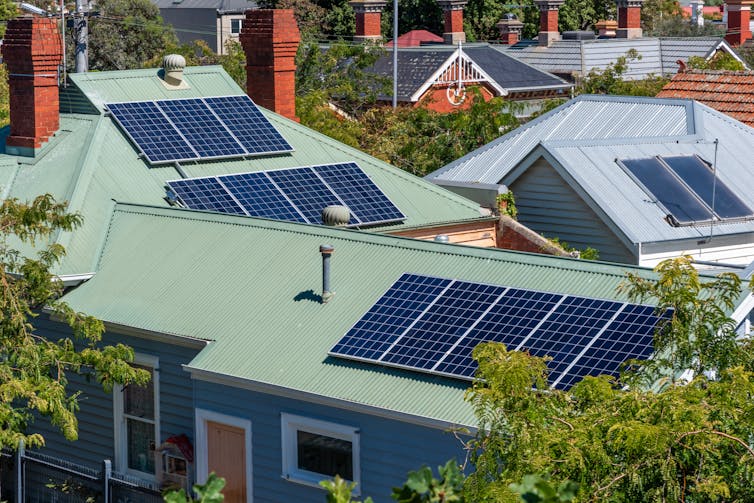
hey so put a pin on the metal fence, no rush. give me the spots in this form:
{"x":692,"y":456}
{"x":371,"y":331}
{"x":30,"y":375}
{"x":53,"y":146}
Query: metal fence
{"x":30,"y":477}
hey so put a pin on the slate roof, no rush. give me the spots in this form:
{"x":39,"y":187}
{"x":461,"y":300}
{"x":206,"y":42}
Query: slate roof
{"x":263,"y":314}
{"x":417,"y":65}
{"x":90,"y":161}
{"x":658,"y":55}
{"x":726,"y":91}
{"x":582,"y":139}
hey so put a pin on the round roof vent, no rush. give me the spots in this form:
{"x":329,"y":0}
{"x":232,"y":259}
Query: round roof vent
{"x":173,"y":64}
{"x":336,"y":215}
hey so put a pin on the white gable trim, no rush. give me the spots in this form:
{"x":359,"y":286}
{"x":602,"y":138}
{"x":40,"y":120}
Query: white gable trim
{"x":724,"y":46}
{"x":477,"y":75}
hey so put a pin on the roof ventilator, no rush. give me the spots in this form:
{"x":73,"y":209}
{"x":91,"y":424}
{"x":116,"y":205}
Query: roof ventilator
{"x":336,"y":215}
{"x":172,"y":67}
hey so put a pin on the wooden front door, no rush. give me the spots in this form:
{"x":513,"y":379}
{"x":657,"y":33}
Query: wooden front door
{"x":226,"y":456}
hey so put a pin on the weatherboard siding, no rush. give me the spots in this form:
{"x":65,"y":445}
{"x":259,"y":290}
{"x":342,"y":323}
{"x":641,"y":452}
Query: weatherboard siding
{"x":95,"y":416}
{"x":389,"y":448}
{"x":723,"y":249}
{"x":548,"y":205}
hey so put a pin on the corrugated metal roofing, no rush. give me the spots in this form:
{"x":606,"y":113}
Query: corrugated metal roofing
{"x":585,"y":117}
{"x":726,"y":91}
{"x":90,"y":162}
{"x":658,"y":55}
{"x":586,"y":135}
{"x":251,"y":286}
{"x":221,"y":5}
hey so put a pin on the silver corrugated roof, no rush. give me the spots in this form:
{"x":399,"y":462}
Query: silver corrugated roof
{"x":585,"y":117}
{"x":587,"y":135}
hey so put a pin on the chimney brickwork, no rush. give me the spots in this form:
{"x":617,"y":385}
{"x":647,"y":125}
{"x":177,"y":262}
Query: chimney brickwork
{"x":739,"y":14}
{"x":32,"y":50}
{"x":510,"y":30}
{"x":270,"y":39}
{"x":368,"y":19}
{"x":629,"y":18}
{"x":453,"y":14}
{"x":548,"y":21}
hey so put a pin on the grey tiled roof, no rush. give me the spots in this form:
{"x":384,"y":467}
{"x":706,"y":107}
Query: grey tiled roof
{"x":416,"y":65}
{"x":221,"y":5}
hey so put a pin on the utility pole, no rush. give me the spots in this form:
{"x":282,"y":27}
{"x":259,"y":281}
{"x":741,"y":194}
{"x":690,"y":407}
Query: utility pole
{"x":81,"y":29}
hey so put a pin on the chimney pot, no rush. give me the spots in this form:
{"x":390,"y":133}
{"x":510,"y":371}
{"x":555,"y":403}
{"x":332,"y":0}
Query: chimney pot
{"x":510,"y":29}
{"x":607,"y":28}
{"x":453,"y":14}
{"x":548,"y":21}
{"x":368,"y":19}
{"x":629,"y":18}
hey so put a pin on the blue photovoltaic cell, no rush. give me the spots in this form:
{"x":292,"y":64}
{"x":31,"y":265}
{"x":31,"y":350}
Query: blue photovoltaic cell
{"x":700,"y":178}
{"x":432,"y":325}
{"x":509,"y":322}
{"x":568,"y":329}
{"x":205,"y":194}
{"x":151,"y":131}
{"x":389,"y":317}
{"x":424,"y":344}
{"x":666,"y":188}
{"x":259,"y":196}
{"x":629,"y":336}
{"x":359,"y":193}
{"x":201,"y":128}
{"x":305,"y":189}
{"x":248,"y":124}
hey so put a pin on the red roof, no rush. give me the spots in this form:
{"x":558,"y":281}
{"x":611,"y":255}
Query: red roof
{"x":414,"y":38}
{"x":726,"y":91}
{"x":708,"y":10}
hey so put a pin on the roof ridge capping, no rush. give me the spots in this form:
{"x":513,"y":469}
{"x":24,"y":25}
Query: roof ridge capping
{"x":557,"y":262}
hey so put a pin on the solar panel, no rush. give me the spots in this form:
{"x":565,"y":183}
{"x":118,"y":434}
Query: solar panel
{"x":297,"y":194}
{"x":668,"y":190}
{"x":700,"y":178}
{"x":201,"y":128}
{"x":198,"y":128}
{"x":206,"y":194}
{"x":247,"y":123}
{"x":359,"y":193}
{"x":148,"y":128}
{"x":432,"y":325}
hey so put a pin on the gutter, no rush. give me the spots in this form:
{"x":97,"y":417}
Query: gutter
{"x":70,"y":280}
{"x":294,"y":394}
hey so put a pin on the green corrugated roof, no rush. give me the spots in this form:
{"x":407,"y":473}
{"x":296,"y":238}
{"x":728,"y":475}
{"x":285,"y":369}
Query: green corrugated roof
{"x":90,"y":162}
{"x":247,"y":285}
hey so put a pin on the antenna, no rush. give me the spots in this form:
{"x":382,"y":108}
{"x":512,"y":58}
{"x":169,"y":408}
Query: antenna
{"x":714,"y":187}
{"x":458,"y":95}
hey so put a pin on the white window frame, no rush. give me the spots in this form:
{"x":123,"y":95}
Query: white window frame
{"x":202,"y":468}
{"x":240,"y":26}
{"x":119,"y":418}
{"x":290,"y":424}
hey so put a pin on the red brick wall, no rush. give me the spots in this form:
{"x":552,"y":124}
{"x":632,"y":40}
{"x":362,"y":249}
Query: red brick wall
{"x":515,"y":236}
{"x":368,"y":24}
{"x":738,"y":26}
{"x":509,"y":38}
{"x":629,"y":17}
{"x":548,"y":20}
{"x":32,"y":50}
{"x":270,"y":39}
{"x":454,"y":21}
{"x":436,"y":99}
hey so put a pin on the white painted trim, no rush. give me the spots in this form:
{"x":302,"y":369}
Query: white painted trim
{"x":202,"y":416}
{"x":119,"y":426}
{"x":290,"y":424}
{"x":451,"y":60}
{"x":360,"y":408}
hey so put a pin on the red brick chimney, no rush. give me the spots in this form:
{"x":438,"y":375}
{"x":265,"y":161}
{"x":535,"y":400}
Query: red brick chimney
{"x":368,"y":19}
{"x":510,"y":29}
{"x":548,"y":21}
{"x":629,"y":18}
{"x":270,"y":38}
{"x":453,"y":11}
{"x":32,"y":50}
{"x":739,"y":13}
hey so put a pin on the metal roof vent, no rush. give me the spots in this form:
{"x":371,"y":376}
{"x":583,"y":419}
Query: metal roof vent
{"x":442,"y":238}
{"x":173,"y":65}
{"x":336,"y":215}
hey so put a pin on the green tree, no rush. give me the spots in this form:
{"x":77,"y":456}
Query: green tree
{"x":423,"y":487}
{"x":584,"y":14}
{"x":685,"y":441}
{"x":126,"y":35}
{"x":8,"y":11}
{"x":611,"y":80}
{"x":34,"y":370}
{"x":209,"y":492}
{"x":721,"y":61}
{"x":340,"y":491}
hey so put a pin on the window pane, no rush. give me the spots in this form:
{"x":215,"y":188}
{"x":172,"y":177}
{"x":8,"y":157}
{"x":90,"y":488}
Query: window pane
{"x":325,"y":455}
{"x":140,"y":438}
{"x":235,"y":26}
{"x":139,"y":400}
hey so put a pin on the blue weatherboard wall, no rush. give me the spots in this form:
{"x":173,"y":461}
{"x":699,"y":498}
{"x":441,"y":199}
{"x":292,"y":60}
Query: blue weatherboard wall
{"x":96,"y":407}
{"x":389,"y":448}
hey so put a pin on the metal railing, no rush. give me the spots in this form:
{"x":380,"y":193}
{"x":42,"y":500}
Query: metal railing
{"x":31,"y":477}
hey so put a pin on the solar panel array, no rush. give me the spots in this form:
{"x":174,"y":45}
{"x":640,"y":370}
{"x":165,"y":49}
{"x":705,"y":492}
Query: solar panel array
{"x":296,"y":194}
{"x":432,"y":325}
{"x":198,"y":128}
{"x":687,"y":188}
